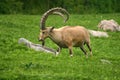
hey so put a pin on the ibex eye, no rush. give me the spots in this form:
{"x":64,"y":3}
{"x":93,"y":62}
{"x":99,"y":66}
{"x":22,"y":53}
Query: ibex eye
{"x":43,"y":32}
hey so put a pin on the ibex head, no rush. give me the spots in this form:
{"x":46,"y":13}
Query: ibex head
{"x":45,"y":31}
{"x":44,"y":34}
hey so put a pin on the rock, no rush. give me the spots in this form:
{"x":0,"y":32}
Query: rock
{"x":109,"y":25}
{"x":98,"y":33}
{"x":36,"y":47}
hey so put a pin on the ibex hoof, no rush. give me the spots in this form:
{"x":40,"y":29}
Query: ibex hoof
{"x":86,"y":56}
{"x":56,"y":53}
{"x":71,"y":55}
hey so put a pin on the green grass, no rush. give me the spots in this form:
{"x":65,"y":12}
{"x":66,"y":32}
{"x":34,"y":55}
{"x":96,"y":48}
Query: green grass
{"x":17,"y":62}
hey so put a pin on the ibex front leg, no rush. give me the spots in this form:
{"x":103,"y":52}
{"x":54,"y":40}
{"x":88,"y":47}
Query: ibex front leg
{"x":58,"y":50}
{"x":70,"y":51}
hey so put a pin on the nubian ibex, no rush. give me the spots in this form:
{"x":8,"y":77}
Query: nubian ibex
{"x":66,"y":36}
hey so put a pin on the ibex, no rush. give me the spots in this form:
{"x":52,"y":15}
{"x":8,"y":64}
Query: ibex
{"x":66,"y":36}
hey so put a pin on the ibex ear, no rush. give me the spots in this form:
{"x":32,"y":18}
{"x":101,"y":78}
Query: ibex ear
{"x":51,"y":29}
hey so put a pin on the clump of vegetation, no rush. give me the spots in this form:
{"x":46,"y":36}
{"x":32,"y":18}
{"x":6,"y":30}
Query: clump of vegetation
{"x":73,"y":6}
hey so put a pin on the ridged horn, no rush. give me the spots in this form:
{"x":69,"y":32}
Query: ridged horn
{"x":59,"y":13}
{"x":51,"y":11}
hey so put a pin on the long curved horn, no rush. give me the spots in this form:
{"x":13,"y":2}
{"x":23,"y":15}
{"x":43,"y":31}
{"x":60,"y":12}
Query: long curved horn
{"x":46,"y":14}
{"x":59,"y":13}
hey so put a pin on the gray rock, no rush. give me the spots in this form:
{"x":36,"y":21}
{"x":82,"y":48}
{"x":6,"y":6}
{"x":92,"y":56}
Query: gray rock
{"x":36,"y":47}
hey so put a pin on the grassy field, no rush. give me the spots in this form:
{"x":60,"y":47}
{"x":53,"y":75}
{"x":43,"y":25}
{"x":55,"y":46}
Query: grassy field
{"x":17,"y":62}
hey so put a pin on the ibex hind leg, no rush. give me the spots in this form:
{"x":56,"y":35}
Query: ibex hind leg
{"x":88,"y":45}
{"x":83,"y":49}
